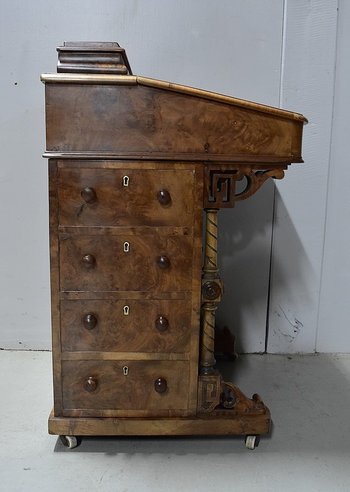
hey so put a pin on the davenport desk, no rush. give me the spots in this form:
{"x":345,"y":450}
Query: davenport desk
{"x":133,"y":162}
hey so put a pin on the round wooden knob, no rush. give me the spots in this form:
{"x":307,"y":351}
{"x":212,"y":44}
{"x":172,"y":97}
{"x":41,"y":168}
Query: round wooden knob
{"x":164,"y":197}
{"x":160,"y":385}
{"x":90,"y":384}
{"x":163,"y":262}
{"x":211,"y":290}
{"x":90,"y":321}
{"x":88,"y":195}
{"x":162,"y":324}
{"x":88,"y":261}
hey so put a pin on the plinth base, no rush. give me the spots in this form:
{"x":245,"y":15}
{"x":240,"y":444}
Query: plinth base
{"x":221,"y":423}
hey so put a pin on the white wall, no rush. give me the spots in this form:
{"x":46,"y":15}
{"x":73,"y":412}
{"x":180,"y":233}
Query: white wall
{"x":273,"y":52}
{"x":334,"y":314}
{"x":307,"y":85}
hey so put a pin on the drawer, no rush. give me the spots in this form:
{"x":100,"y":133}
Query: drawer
{"x":125,"y":385}
{"x":125,"y":197}
{"x":126,"y":325}
{"x":148,"y":263}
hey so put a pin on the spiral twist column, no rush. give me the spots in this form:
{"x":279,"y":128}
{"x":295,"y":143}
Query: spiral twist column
{"x":211,"y":293}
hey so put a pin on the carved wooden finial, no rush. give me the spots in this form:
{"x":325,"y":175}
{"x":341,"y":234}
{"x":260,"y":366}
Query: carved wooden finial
{"x":88,"y":57}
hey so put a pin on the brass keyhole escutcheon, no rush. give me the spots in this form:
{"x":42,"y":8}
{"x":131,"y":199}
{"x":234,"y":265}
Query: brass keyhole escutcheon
{"x":125,"y":370}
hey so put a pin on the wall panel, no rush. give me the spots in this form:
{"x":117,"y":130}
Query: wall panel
{"x":333,"y":328}
{"x":307,"y":86}
{"x":230,"y":47}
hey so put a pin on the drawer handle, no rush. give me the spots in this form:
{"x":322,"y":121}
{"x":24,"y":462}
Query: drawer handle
{"x":160,"y":385}
{"x":90,"y":321}
{"x":162,"y":324}
{"x":88,"y":261}
{"x":164,"y":197}
{"x":163,"y":262}
{"x":88,"y":195}
{"x":91,"y":384}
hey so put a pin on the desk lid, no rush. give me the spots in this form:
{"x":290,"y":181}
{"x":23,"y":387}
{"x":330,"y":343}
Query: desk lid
{"x":96,"y":107}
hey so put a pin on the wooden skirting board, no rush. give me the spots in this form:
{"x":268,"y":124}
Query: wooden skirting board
{"x":209,"y":425}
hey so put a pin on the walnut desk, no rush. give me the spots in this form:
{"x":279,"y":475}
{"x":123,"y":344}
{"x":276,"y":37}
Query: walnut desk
{"x":133,"y":161}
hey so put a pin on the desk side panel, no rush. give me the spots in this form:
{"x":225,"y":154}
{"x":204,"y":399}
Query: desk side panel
{"x":136,"y":120}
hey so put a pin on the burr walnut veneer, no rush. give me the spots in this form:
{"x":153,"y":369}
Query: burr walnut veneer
{"x":133,"y":162}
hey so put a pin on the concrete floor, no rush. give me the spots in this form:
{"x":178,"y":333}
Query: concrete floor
{"x":309,"y":449}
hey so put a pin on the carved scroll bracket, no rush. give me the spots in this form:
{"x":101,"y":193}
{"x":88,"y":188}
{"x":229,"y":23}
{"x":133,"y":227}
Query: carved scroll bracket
{"x":220,"y":397}
{"x":224,"y":187}
{"x":216,"y":396}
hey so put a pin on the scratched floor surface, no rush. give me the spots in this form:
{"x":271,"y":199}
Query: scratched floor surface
{"x":309,"y":449}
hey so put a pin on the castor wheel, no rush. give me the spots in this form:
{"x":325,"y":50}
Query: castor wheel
{"x":251,"y":442}
{"x":70,"y":442}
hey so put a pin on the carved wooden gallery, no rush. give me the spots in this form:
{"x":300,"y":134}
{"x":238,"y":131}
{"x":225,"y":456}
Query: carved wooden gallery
{"x":133,"y":161}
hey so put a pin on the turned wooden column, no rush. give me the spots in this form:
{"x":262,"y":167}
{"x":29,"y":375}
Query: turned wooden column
{"x":211,"y":293}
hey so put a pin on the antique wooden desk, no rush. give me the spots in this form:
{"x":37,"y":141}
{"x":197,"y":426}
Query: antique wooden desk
{"x":133,"y":162}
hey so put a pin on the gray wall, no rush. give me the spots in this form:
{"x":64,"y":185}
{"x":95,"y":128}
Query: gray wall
{"x":275,"y":52}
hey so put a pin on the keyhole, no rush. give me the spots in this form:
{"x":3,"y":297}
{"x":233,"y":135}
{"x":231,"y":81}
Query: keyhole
{"x":126,"y":247}
{"x":126,"y":180}
{"x":126,"y":310}
{"x":125,"y":370}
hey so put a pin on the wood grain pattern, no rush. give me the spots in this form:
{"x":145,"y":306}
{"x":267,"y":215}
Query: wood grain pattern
{"x":81,"y":78}
{"x":123,"y":294}
{"x":125,"y":230}
{"x":211,"y":279}
{"x":170,"y":86}
{"x":259,"y":161}
{"x":136,"y":332}
{"x":177,"y":235}
{"x":220,"y":424}
{"x":116,"y":391}
{"x":224,"y":187}
{"x":98,"y":355}
{"x":91,"y":57}
{"x":116,"y":270}
{"x":196,"y":284}
{"x":149,"y":120}
{"x":214,"y":96}
{"x":114,"y":204}
{"x":126,"y":244}
{"x":55,"y":286}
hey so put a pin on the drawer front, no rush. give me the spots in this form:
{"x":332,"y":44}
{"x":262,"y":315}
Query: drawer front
{"x":126,"y":325}
{"x":125,"y":385}
{"x":122,"y":197}
{"x":126,"y":263}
